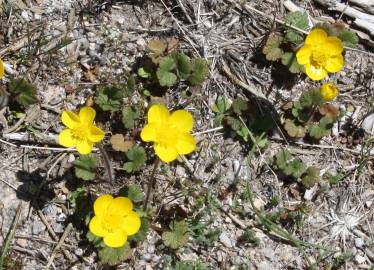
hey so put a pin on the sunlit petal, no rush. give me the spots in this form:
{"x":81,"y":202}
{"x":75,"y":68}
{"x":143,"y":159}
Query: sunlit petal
{"x":2,"y":70}
{"x":87,"y":115}
{"x":132,"y":223}
{"x":84,"y":147}
{"x":158,"y":114}
{"x":185,"y":144}
{"x":66,"y":138}
{"x":316,"y":36}
{"x":303,"y":55}
{"x":120,"y":206}
{"x":101,"y":204}
{"x":149,"y":132}
{"x":181,"y":120}
{"x":335,"y":64}
{"x":115,"y":239}
{"x":70,"y":119}
{"x":96,"y":227}
{"x":316,"y":73}
{"x":95,"y":134}
{"x":165,"y":153}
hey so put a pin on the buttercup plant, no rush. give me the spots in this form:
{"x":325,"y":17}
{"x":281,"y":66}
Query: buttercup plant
{"x":170,"y":133}
{"x":81,"y":131}
{"x":114,"y":220}
{"x":320,"y":54}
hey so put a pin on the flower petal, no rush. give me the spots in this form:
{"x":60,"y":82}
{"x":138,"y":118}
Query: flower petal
{"x":158,"y":114}
{"x":84,"y":147}
{"x":70,"y":119}
{"x":335,"y":64}
{"x":316,"y":36}
{"x":87,"y":115}
{"x":96,"y":227}
{"x":115,"y":239}
{"x":95,"y":134}
{"x":185,"y":144}
{"x":2,"y":70}
{"x":66,"y":138}
{"x":316,"y":73}
{"x":165,"y":153}
{"x":120,"y":206}
{"x":149,"y":133}
{"x":101,"y":204}
{"x":132,"y":223}
{"x":303,"y":55}
{"x":181,"y":120}
{"x":334,"y":46}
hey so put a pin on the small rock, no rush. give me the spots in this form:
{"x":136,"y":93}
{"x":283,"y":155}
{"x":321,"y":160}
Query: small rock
{"x":225,"y":240}
{"x":22,"y":242}
{"x":148,"y":267}
{"x":78,"y":252}
{"x":38,"y":227}
{"x":147,"y":257}
{"x":368,"y":203}
{"x":268,"y":253}
{"x":359,"y":259}
{"x":359,"y":242}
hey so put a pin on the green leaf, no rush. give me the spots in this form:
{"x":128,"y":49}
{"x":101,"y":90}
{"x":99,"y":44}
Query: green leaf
{"x":166,"y":78}
{"x":144,"y":73}
{"x":221,"y":105}
{"x":24,"y":91}
{"x":184,"y":66}
{"x":129,"y":116}
{"x":311,"y":177}
{"x":137,"y":157}
{"x":239,"y":105}
{"x":282,"y":158}
{"x":294,"y":130}
{"x":295,"y":168}
{"x":311,"y":98}
{"x":114,"y":256}
{"x":76,"y":195}
{"x":271,"y":49}
{"x":85,"y":167}
{"x":93,"y":239}
{"x":200,"y":71}
{"x":167,"y":64}
{"x":349,"y":38}
{"x":109,"y":98}
{"x":234,"y":123}
{"x":178,"y":236}
{"x":298,"y":19}
{"x":334,"y":179}
{"x":323,"y":128}
{"x":135,"y":193}
{"x":130,"y":85}
{"x":290,"y":61}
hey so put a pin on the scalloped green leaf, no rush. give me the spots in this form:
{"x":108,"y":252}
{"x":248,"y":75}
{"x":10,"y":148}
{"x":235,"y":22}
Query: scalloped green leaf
{"x":114,"y":256}
{"x":85,"y":167}
{"x":177,"y":236}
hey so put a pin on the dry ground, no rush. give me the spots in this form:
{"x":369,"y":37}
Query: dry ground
{"x":110,"y":36}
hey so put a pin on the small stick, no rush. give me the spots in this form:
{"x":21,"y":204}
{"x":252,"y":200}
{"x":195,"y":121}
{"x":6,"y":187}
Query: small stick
{"x":151,"y":183}
{"x":59,"y":244}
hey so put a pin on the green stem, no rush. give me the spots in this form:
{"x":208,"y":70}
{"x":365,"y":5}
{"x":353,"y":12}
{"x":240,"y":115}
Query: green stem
{"x":151,"y":183}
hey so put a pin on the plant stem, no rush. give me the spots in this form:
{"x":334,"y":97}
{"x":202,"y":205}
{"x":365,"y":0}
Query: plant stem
{"x":151,"y":183}
{"x":107,"y":164}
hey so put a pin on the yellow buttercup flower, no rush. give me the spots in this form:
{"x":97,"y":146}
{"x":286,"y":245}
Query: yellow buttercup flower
{"x":81,"y":132}
{"x":169,"y":132}
{"x":320,"y":54}
{"x":114,"y":220}
{"x":328,"y":91}
{"x":2,"y":71}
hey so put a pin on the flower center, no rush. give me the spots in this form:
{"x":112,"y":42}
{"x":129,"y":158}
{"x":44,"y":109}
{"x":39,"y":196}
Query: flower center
{"x":80,"y":132}
{"x":112,"y":222}
{"x":167,"y":135}
{"x":319,"y":57}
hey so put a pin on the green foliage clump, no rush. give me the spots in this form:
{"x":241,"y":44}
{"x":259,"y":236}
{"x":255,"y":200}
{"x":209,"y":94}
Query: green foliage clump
{"x":189,"y":265}
{"x":109,"y":98}
{"x":169,"y":66}
{"x":137,"y":157}
{"x":348,"y":37}
{"x":296,"y":169}
{"x":311,"y":116}
{"x":177,"y":236}
{"x":129,"y":116}
{"x":23,"y":91}
{"x":85,"y":167}
{"x":113,"y":256}
{"x":297,"y":19}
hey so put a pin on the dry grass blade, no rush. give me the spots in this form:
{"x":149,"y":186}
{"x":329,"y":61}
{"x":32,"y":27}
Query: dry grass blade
{"x":7,"y":243}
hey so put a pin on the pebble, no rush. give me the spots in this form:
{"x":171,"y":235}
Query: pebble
{"x":147,"y":257}
{"x":359,"y":242}
{"x":78,"y":252}
{"x":359,"y":259}
{"x":38,"y":227}
{"x":225,"y":240}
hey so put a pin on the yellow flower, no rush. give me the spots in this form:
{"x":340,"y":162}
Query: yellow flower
{"x":320,"y":54}
{"x":169,"y":132}
{"x":328,"y":91}
{"x":114,"y":220}
{"x":81,"y":132}
{"x":1,"y":68}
